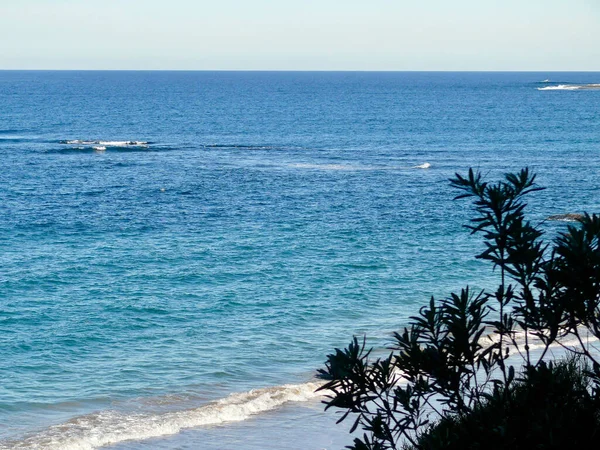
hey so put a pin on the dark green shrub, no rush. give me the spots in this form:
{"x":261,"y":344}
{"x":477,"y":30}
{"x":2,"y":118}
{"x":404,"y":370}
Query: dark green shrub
{"x":552,"y":407}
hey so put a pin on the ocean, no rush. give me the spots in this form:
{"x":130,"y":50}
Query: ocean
{"x":179,"y":251}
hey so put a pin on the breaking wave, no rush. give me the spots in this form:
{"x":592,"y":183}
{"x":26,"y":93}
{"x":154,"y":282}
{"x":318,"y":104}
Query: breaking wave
{"x":570,"y":87}
{"x":105,"y":144}
{"x":423,"y":166}
{"x":570,"y":217}
{"x":102,"y":428}
{"x":100,"y":146}
{"x":109,"y":427}
{"x":535,"y":343}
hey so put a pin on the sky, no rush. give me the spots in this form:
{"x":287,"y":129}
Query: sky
{"x":536,"y":35}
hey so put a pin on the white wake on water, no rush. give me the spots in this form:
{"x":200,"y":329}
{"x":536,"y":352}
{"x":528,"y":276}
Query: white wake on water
{"x":102,"y":428}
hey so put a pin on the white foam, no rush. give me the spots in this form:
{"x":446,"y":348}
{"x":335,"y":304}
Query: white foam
{"x":560,"y":87}
{"x":535,"y":343}
{"x":98,"y":429}
{"x":423,"y":166}
{"x":570,"y":217}
{"x":570,"y":87}
{"x":100,"y":148}
{"x":108,"y":143}
{"x":123,"y":143}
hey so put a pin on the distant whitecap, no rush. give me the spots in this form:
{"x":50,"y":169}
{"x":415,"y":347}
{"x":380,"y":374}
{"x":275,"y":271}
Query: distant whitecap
{"x":570,"y":87}
{"x":99,"y":143}
{"x":423,"y":166}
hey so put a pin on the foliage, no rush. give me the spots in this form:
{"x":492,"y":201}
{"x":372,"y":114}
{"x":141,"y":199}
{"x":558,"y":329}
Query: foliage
{"x":448,"y":375}
{"x":554,"y":406}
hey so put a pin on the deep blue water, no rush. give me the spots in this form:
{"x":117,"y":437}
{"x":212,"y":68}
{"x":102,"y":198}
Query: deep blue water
{"x":169,"y":238}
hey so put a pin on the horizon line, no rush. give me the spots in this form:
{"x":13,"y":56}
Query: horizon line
{"x":302,"y":70}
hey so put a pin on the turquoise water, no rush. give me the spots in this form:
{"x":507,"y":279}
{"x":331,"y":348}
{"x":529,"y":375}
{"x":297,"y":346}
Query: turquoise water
{"x":170,"y":238}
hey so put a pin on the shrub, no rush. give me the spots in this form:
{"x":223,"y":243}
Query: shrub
{"x":448,"y":381}
{"x":553,"y":406}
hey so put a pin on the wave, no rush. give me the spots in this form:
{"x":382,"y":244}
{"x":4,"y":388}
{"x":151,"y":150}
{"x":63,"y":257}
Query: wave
{"x":94,"y":149}
{"x":102,"y":428}
{"x":98,"y":146}
{"x":13,"y":140}
{"x":560,"y":87}
{"x":570,"y":217}
{"x":12,"y":131}
{"x":570,"y":87}
{"x":109,"y":427}
{"x":423,"y":166}
{"x":106,"y":143}
{"x":535,"y":343}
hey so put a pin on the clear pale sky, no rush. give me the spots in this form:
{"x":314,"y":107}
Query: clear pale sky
{"x":540,"y":35}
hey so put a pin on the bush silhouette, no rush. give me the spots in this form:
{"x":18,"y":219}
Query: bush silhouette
{"x":472,"y":370}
